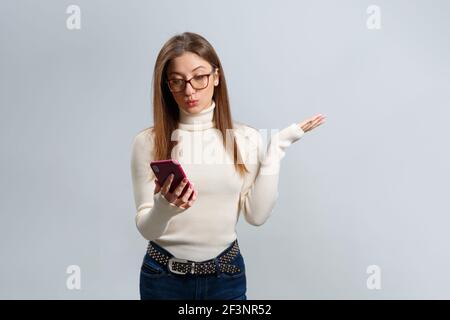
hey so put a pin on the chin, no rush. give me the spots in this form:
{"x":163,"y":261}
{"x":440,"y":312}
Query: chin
{"x":195,"y":109}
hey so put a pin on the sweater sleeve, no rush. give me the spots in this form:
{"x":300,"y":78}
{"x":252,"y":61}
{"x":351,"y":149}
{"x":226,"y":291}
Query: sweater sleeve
{"x":153,"y":211}
{"x":260,"y":188}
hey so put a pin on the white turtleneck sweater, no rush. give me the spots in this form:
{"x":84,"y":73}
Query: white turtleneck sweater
{"x":207,"y":228}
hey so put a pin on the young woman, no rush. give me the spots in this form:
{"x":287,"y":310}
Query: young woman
{"x":193,"y":251}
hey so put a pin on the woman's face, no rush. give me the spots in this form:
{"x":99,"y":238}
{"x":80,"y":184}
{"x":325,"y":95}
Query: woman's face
{"x":185,"y":67}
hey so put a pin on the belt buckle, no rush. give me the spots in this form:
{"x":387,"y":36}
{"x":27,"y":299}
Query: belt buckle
{"x":173,"y":259}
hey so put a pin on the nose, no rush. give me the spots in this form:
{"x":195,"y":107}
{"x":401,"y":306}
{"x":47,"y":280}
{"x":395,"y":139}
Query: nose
{"x":188,"y":89}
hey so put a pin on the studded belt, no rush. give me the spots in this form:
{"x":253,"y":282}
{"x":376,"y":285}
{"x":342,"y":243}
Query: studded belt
{"x":183,"y":266}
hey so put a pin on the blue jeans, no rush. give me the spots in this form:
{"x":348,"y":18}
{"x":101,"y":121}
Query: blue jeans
{"x":158,"y":282}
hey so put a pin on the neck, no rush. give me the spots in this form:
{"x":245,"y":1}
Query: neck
{"x":197,"y":121}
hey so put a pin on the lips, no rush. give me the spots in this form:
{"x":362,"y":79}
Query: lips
{"x":192,"y":103}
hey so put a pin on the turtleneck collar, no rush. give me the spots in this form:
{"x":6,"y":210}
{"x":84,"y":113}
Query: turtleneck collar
{"x":197,"y":121}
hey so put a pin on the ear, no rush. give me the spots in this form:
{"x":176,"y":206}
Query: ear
{"x":216,"y":77}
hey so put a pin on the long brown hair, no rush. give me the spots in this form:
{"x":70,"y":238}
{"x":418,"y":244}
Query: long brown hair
{"x":165,"y":109}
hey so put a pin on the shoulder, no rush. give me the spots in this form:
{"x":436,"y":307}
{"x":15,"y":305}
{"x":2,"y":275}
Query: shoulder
{"x":247,"y":133}
{"x":245,"y":130}
{"x":143,"y":138}
{"x":248,"y":137}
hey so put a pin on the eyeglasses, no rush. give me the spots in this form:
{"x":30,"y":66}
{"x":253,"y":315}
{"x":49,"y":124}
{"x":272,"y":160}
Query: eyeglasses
{"x":197,"y":82}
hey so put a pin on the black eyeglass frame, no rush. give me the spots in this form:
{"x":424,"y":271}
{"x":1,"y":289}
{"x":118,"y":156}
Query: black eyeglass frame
{"x":189,"y":81}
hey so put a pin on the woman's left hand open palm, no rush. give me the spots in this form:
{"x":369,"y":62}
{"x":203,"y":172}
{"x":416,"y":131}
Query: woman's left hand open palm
{"x":312,"y":122}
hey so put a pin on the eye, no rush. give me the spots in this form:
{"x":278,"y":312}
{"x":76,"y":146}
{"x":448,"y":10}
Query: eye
{"x":199,"y":77}
{"x":177,"y":81}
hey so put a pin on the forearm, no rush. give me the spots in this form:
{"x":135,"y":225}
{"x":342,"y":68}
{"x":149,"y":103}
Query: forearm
{"x":153,"y":219}
{"x":261,"y":197}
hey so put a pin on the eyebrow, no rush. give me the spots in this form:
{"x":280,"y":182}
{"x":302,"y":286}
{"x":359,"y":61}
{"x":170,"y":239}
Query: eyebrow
{"x":192,"y":70}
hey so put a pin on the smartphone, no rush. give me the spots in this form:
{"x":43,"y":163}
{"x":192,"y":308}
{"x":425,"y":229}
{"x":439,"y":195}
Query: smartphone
{"x":163,"y":168}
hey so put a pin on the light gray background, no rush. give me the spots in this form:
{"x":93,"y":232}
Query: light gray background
{"x":370,"y":186}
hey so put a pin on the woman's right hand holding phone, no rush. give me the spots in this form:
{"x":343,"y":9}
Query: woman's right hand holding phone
{"x":175,"y":196}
